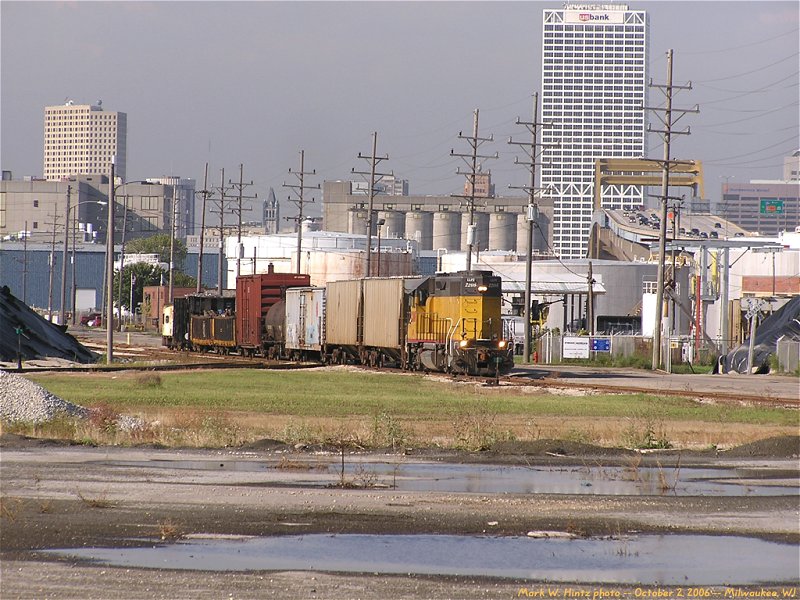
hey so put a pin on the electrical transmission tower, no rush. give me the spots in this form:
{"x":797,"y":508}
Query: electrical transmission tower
{"x":237,"y":210}
{"x":374,"y":177}
{"x":471,"y":160}
{"x":299,"y":201}
{"x":533,"y":150}
{"x":668,"y":118}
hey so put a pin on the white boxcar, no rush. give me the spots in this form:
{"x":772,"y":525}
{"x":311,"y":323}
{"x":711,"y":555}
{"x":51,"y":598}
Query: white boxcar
{"x":305,"y":318}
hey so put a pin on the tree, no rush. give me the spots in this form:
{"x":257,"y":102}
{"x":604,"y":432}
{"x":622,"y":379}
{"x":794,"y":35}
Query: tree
{"x":158,"y":244}
{"x":144,"y":275}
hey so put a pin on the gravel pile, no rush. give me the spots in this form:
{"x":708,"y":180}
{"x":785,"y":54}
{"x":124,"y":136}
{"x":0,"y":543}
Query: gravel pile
{"x":22,"y":400}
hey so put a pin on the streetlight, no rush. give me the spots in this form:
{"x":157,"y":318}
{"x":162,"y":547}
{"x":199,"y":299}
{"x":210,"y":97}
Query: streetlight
{"x":62,"y":312}
{"x":380,"y":223}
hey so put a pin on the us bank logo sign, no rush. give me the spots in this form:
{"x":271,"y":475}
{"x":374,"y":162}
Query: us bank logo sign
{"x":593,"y":17}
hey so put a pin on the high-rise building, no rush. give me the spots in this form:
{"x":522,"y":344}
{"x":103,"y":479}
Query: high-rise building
{"x":81,"y":139}
{"x":594,"y":87}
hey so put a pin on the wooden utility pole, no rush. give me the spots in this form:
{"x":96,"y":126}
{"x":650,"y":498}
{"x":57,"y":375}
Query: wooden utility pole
{"x":238,"y":211}
{"x":221,"y":208}
{"x":62,"y":313}
{"x":471,"y":160}
{"x":374,"y":177}
{"x":299,"y":201}
{"x":54,"y":225}
{"x":206,"y":193}
{"x":531,"y":149}
{"x":668,"y":119}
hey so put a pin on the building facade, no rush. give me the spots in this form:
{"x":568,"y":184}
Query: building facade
{"x":763,"y":207}
{"x":37,"y":209}
{"x":594,"y":87}
{"x":82,"y":139}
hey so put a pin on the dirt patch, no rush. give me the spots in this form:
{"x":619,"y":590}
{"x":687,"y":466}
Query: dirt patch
{"x":786,"y":446}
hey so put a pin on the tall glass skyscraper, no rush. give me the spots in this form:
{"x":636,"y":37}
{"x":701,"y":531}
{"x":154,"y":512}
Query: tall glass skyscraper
{"x":594,"y":87}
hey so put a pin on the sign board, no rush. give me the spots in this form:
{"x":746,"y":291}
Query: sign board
{"x":601,"y":344}
{"x":575,"y":347}
{"x":594,"y":17}
{"x":771,"y":206}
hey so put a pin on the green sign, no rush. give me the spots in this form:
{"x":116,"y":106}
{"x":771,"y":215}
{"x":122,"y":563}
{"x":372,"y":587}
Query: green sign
{"x":771,"y":206}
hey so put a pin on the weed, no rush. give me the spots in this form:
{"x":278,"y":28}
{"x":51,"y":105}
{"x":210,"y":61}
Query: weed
{"x":170,"y":531}
{"x":365,"y":477}
{"x":387,"y":431}
{"x":663,"y":482}
{"x":98,"y":502}
{"x":474,"y":428}
{"x":645,"y":431}
{"x":298,"y":433}
{"x":9,"y":508}
{"x":104,"y":418}
{"x":632,"y":468}
{"x":293,"y":465}
{"x":148,"y":379}
{"x":45,"y":506}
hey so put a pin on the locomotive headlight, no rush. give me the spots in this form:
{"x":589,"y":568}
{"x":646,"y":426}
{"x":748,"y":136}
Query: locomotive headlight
{"x":482,"y":288}
{"x":501,"y":344}
{"x":463,"y":343}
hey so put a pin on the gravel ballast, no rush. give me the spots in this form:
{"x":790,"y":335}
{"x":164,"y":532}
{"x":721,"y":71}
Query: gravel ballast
{"x":22,"y":400}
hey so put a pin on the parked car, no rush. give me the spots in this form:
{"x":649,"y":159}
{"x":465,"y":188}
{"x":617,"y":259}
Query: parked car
{"x":93,"y":319}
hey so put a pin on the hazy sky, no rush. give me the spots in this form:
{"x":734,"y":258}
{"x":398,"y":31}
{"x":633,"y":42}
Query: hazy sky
{"x":256,"y":82}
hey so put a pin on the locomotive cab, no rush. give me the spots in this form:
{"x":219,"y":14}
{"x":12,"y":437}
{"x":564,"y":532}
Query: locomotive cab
{"x":455,"y":324}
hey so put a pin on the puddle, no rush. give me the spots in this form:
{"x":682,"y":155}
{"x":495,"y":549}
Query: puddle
{"x":647,"y":559}
{"x":495,"y":479}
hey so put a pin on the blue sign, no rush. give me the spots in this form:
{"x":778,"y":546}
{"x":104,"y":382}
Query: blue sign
{"x":600,"y":344}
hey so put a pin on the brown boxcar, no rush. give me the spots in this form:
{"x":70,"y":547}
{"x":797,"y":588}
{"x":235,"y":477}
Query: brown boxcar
{"x":255,"y":294}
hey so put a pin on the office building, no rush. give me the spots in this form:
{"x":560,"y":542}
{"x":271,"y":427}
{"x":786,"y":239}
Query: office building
{"x":594,"y":64}
{"x":81,"y":139}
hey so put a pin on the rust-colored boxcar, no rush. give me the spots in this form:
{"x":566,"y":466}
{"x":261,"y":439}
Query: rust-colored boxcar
{"x":255,"y":294}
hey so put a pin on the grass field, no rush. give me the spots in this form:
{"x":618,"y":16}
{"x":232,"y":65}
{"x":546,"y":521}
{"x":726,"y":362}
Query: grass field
{"x":231,"y":407}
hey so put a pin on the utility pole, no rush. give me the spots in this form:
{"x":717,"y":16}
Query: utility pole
{"x":171,"y":247}
{"x":471,"y":160}
{"x":532,"y":152}
{"x":54,"y":225}
{"x":668,"y":119}
{"x":374,"y":177}
{"x":206,"y":193}
{"x":62,"y":314}
{"x":298,"y":189}
{"x":122,"y":258}
{"x":25,"y":264}
{"x":590,"y":301}
{"x":221,"y":207}
{"x":109,"y":316}
{"x":240,"y":187}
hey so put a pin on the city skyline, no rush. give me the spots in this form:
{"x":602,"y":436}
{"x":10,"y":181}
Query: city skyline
{"x":257,"y":82}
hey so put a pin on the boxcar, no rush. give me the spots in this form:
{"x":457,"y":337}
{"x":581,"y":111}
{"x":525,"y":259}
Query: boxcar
{"x":305,"y":322}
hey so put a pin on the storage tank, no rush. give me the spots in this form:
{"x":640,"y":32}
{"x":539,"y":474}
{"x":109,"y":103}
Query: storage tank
{"x":395,"y":224}
{"x":503,"y":231}
{"x":419,"y":227}
{"x":357,"y":221}
{"x":446,"y":230}
{"x":481,"y":220}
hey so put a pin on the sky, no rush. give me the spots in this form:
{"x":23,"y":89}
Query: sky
{"x":254,"y":83}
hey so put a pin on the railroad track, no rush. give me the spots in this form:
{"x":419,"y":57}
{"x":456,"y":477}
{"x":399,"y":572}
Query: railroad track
{"x":188,"y":361}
